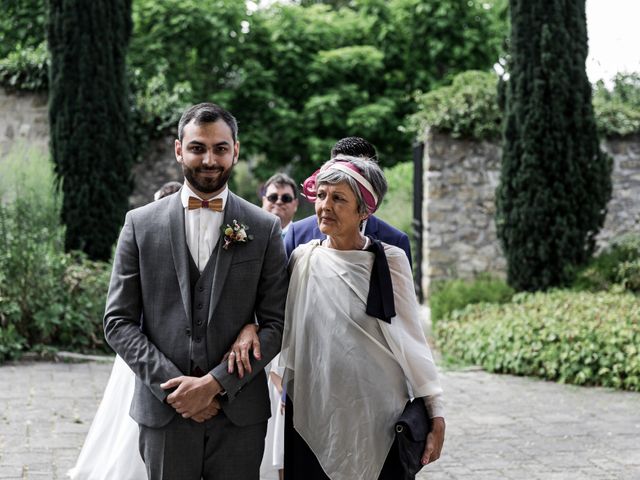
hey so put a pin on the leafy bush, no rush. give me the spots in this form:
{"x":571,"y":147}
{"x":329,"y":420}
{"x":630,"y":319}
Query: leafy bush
{"x":22,"y":24}
{"x":629,"y":274}
{"x":452,"y":295}
{"x":570,"y":337}
{"x":26,"y":69}
{"x":48,"y":298}
{"x":31,"y":242}
{"x":158,"y":106}
{"x":86,"y":283}
{"x":618,"y":110}
{"x":617,"y":264}
{"x":396,"y":208}
{"x":467,"y":108}
{"x":361,"y":63}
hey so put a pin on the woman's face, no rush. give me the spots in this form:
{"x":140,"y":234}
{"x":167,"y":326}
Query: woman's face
{"x":337,"y":210}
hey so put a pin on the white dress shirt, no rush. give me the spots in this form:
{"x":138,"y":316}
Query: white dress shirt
{"x":202,"y":226}
{"x":286,"y":229}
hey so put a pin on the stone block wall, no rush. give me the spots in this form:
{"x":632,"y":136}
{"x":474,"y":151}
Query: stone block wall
{"x":460,"y":237}
{"x":623,"y":211}
{"x":157,"y":166}
{"x":460,"y":180}
{"x":24,"y":117}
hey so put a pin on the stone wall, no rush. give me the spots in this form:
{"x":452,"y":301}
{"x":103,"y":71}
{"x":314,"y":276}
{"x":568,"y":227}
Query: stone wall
{"x":460,"y":237}
{"x":157,"y":166}
{"x":460,"y":180}
{"x":24,"y":117}
{"x":623,"y":211}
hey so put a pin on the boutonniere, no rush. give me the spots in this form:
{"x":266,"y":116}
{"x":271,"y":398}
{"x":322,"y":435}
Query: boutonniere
{"x":235,"y":233}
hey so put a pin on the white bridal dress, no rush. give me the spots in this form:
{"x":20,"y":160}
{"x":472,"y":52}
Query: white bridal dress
{"x":273,"y":458}
{"x":110,"y":450}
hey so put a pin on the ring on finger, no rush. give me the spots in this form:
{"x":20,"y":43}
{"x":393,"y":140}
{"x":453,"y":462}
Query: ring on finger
{"x":232,"y":354}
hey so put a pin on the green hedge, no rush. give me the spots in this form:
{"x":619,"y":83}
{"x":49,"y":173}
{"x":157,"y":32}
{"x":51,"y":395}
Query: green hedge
{"x":571,"y":337}
{"x":618,"y":264}
{"x":397,"y":205}
{"x":448,"y":296}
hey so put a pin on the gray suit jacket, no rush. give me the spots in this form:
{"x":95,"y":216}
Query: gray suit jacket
{"x":148,"y":313}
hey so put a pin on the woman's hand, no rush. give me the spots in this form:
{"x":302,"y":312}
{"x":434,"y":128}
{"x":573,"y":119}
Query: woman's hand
{"x":277,"y":381}
{"x":238,"y":354}
{"x":435,"y":439}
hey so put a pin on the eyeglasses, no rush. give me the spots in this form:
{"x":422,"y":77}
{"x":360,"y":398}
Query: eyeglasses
{"x":286,"y":198}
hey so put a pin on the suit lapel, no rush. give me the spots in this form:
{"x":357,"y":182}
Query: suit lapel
{"x":224,"y":257}
{"x":180,"y":251}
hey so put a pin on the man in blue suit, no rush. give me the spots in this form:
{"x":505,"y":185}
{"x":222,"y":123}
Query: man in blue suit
{"x":307,"y":229}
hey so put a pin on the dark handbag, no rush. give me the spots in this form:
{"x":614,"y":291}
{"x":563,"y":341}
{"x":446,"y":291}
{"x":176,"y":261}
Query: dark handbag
{"x":411,"y":436}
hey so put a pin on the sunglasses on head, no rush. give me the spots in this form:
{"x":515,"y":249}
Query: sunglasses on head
{"x":286,"y":198}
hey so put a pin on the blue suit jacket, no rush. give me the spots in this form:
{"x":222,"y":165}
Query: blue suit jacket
{"x":305,"y":230}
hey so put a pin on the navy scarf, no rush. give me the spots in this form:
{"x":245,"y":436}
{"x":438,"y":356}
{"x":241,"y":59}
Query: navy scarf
{"x":380,"y":302}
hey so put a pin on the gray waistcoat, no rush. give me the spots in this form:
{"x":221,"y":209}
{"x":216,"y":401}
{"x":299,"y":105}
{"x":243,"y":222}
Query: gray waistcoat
{"x":201,"y":284}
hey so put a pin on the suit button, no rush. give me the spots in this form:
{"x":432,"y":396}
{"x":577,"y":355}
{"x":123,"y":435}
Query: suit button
{"x":188,"y":332}
{"x":201,"y":288}
{"x":199,"y":322}
{"x":199,"y":306}
{"x":197,"y":339}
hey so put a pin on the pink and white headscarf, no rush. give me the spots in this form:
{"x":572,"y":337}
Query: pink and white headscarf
{"x":343,"y":163}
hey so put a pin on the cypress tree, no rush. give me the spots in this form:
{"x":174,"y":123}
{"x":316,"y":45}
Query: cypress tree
{"x":555,"y":181}
{"x":89,"y":118}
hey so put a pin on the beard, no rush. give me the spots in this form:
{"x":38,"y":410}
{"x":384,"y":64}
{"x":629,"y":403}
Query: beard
{"x":207,"y":184}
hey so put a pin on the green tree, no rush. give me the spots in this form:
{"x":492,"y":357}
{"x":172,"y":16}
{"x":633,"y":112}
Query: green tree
{"x":298,"y":77}
{"x":325,"y":71}
{"x":286,"y":108}
{"x":618,"y":110}
{"x":24,"y":59}
{"x":22,"y":25}
{"x":89,"y":119}
{"x":190,"y":41}
{"x":555,"y":181}
{"x":334,"y":3}
{"x":426,"y":43}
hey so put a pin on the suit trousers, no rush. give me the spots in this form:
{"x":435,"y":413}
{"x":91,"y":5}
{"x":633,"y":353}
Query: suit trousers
{"x":215,"y":449}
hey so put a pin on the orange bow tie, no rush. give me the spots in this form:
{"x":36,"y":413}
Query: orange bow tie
{"x":215,"y":204}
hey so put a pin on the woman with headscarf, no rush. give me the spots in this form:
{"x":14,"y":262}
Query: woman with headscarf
{"x":354,"y":349}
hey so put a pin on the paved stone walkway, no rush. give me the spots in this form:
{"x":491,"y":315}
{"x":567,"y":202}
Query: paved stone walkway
{"x":498,"y":426}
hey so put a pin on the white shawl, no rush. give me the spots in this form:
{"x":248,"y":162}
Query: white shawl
{"x":351,"y":370}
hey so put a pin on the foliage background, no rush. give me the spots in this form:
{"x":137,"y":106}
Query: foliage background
{"x":470,"y":107}
{"x":49,"y":299}
{"x":297,"y":76}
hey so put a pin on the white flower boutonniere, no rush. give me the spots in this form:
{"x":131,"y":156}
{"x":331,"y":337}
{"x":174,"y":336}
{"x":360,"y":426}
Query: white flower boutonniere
{"x":235,"y":233}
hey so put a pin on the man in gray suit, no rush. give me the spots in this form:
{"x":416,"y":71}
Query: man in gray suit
{"x":190,"y":271}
